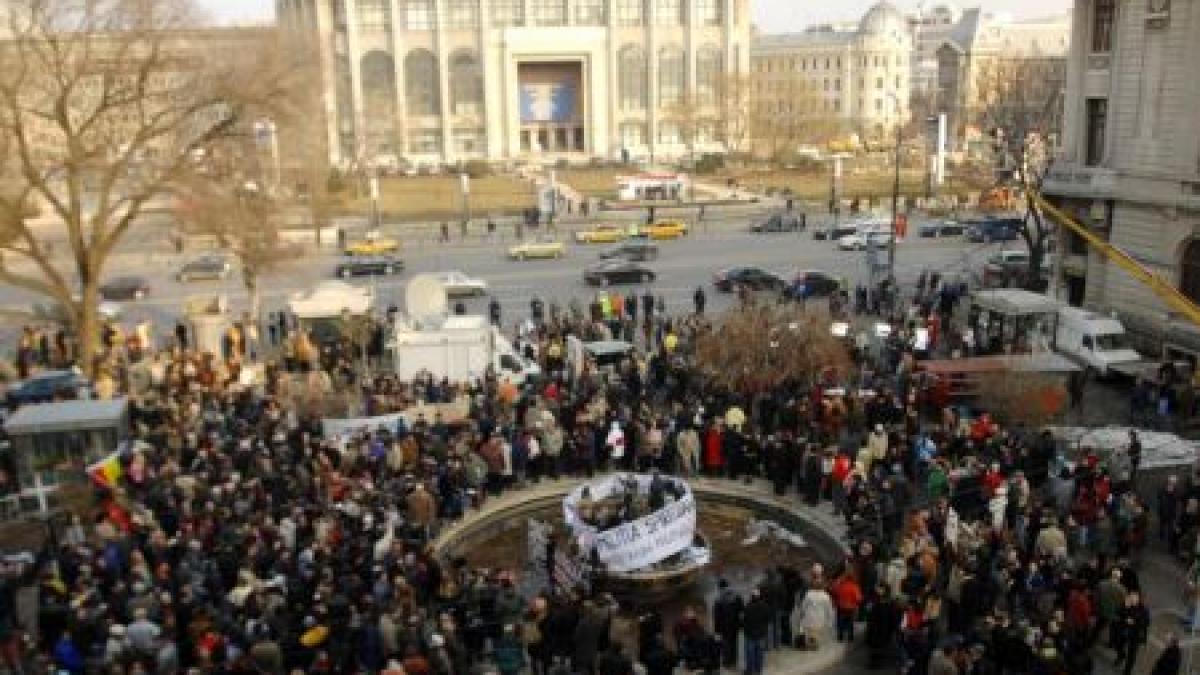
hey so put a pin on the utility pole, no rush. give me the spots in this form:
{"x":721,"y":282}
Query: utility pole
{"x":895,"y":194}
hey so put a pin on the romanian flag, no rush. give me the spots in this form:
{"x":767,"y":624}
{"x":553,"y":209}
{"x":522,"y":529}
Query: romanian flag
{"x":107,"y":472}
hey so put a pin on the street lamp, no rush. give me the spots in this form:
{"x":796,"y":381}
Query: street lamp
{"x":895,"y":192}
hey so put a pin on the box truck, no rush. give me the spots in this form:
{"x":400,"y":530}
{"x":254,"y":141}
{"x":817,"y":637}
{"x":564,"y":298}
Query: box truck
{"x":461,"y":349}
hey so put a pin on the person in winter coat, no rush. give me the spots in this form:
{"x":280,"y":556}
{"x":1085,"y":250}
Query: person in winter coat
{"x":657,"y":659}
{"x":714,"y":456}
{"x":510,"y":653}
{"x":727,"y":622}
{"x":756,"y":623}
{"x":847,"y":598}
{"x":882,"y":622}
{"x":1134,"y":620}
{"x":688,"y":447}
{"x":815,"y":615}
{"x":1170,"y":661}
{"x":588,"y":633}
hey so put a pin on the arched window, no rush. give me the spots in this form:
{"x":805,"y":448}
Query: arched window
{"x":631,"y":64}
{"x":710,"y":65}
{"x":1189,"y":270}
{"x":421,"y":83}
{"x":672,"y":76}
{"x":378,"y":71}
{"x":466,"y":83}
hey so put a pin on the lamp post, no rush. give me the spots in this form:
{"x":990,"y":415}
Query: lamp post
{"x":895,"y":192}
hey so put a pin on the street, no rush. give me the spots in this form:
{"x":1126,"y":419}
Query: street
{"x":682,"y":266}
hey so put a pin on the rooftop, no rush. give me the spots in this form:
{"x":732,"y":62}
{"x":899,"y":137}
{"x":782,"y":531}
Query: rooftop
{"x":65,"y":416}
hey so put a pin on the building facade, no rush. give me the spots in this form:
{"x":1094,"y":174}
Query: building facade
{"x":438,"y":81}
{"x":1129,"y":164}
{"x":857,"y":75}
{"x":958,"y":55}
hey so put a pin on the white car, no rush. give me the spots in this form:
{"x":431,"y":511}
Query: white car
{"x":458,"y":284}
{"x":860,"y":240}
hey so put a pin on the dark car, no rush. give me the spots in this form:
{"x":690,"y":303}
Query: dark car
{"x":779,"y":222}
{"x":836,"y":232}
{"x":617,"y":272}
{"x":634,"y":251}
{"x":368,"y":265}
{"x":811,"y":284}
{"x":945,"y":228}
{"x":47,"y":386}
{"x":753,"y":278}
{"x":125,"y":288}
{"x":207,"y":267}
{"x":994,"y":229}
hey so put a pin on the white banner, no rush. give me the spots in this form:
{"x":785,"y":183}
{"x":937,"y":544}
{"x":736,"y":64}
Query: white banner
{"x":641,"y":542}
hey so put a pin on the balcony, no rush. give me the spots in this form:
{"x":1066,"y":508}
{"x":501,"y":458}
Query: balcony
{"x":1080,"y":181}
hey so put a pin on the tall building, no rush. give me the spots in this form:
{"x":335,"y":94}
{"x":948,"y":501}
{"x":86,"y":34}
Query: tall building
{"x":434,"y":81}
{"x":1129,"y":164}
{"x":858,"y":75}
{"x":957,"y":51}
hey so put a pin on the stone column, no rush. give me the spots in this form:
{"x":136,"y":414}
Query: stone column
{"x":439,"y":40}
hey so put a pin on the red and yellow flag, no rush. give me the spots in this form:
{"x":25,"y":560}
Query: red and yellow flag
{"x":108,"y":471}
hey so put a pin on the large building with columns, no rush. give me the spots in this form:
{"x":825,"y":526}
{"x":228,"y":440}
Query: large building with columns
{"x":439,"y":81}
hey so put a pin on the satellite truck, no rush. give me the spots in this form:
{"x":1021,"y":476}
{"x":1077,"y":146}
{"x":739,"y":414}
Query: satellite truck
{"x":460,"y":348}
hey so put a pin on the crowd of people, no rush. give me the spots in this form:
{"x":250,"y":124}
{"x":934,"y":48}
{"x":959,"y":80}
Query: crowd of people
{"x":239,"y":538}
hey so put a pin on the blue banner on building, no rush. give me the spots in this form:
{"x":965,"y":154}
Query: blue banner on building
{"x":542,"y":102}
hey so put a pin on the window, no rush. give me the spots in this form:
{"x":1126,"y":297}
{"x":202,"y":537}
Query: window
{"x":549,"y":12}
{"x":1097,"y":124}
{"x":466,"y":84}
{"x":421,"y":83}
{"x":709,"y":66}
{"x":1103,"y":16}
{"x":468,"y":141}
{"x":1189,"y":270}
{"x":633,"y":134}
{"x":508,"y":12}
{"x":708,"y":12}
{"x":589,"y":12}
{"x":668,"y":12}
{"x":631,"y":12}
{"x":425,"y":142}
{"x":462,"y":13}
{"x":879,"y":83}
{"x":671,"y":76}
{"x":418,"y":14}
{"x":378,"y":72}
{"x":631,"y":66}
{"x":878,"y":105}
{"x":668,"y":133}
{"x":374,"y":15}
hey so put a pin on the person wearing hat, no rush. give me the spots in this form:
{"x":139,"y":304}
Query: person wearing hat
{"x":727,"y":621}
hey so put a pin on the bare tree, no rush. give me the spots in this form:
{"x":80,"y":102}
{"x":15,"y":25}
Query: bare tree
{"x":759,"y":345}
{"x":1020,"y":105}
{"x":103,"y":105}
{"x":735,"y":112}
{"x":789,"y":113}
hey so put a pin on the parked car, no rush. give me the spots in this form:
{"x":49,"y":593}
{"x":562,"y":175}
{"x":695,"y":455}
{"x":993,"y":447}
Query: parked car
{"x":46,"y":386}
{"x":811,"y":284}
{"x":835,"y":232}
{"x":1006,"y":266}
{"x":994,"y":229}
{"x":779,"y":222}
{"x":368,"y":266}
{"x":860,"y":240}
{"x":213,"y":267}
{"x":601,"y":234}
{"x":944,"y":228}
{"x":753,"y":278}
{"x":373,"y":243}
{"x":637,"y":251}
{"x":543,"y":247}
{"x":617,"y":272}
{"x":125,"y":288}
{"x":460,"y":285}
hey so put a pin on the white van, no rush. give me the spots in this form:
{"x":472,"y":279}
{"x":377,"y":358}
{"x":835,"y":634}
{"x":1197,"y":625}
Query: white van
{"x":461,"y":349}
{"x":1097,"y":341}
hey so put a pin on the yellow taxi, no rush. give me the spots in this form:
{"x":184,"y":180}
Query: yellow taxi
{"x":665,"y":229}
{"x":373,"y":243}
{"x":601,"y":234}
{"x":543,"y":247}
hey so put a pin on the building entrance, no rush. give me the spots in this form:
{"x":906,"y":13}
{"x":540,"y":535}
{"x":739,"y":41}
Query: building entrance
{"x":551,"y":105}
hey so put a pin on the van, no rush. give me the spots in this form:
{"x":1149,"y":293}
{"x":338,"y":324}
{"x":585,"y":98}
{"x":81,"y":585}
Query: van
{"x":1096,"y":341}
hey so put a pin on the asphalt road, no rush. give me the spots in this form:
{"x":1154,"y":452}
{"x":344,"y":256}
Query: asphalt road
{"x":682,"y":266}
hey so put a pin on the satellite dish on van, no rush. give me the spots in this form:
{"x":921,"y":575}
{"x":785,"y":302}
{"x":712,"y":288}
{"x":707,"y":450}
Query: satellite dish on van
{"x":425,"y":300}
